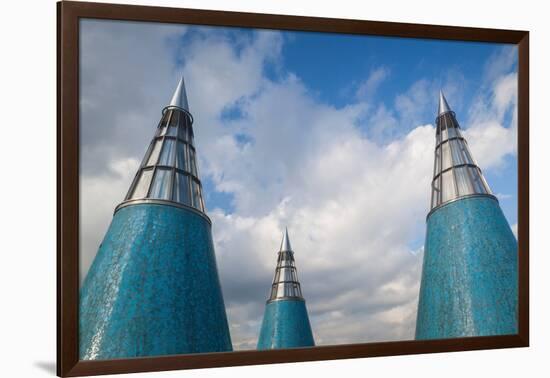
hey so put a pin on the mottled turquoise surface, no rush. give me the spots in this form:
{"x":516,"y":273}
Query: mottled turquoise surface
{"x":153,"y":288}
{"x":285,"y":325}
{"x":469,"y":277}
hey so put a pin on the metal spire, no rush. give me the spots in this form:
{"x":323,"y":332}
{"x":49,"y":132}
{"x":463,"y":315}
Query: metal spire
{"x":285,"y":283}
{"x":285,"y":243}
{"x":443,"y":105}
{"x":456,"y":174}
{"x":179,"y":99}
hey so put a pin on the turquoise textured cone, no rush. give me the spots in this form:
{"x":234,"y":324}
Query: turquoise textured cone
{"x":153,"y":288}
{"x":286,"y":321}
{"x":285,"y":325}
{"x":469,"y":276}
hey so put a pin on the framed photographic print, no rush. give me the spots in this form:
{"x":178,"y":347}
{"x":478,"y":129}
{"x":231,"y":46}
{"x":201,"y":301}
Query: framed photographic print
{"x":238,"y":188}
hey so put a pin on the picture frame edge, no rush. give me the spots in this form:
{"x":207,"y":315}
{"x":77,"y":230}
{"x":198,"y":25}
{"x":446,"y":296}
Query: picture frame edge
{"x":68,"y":15}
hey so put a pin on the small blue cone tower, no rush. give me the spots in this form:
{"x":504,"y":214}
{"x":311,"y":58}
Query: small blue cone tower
{"x":285,"y":323}
{"x":153,"y":288}
{"x":469,"y":277}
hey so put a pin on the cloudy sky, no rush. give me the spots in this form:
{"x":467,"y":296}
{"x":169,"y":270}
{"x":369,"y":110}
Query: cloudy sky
{"x":330,"y":135}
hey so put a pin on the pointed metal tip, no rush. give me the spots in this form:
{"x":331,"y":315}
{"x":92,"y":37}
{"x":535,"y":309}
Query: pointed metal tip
{"x":443,"y":105}
{"x":285,"y":243}
{"x":179,"y":99}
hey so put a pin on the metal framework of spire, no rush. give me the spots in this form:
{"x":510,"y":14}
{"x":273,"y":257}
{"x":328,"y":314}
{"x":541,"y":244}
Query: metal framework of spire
{"x":456,"y":174}
{"x":169,"y":170}
{"x":285,"y":283}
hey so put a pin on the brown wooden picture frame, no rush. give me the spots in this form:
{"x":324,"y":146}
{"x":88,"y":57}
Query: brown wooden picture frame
{"x":68,"y":15}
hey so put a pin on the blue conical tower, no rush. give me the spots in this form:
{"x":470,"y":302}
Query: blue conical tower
{"x":153,"y":288}
{"x":469,"y":277}
{"x":285,"y":323}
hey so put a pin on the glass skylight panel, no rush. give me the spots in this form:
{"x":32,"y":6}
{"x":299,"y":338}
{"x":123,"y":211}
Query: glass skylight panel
{"x":478,"y":181}
{"x":155,"y":152}
{"x":161,"y":184}
{"x":181,"y":158}
{"x":181,"y":189}
{"x":195,"y":188}
{"x":142,"y":185}
{"x":446,"y":160}
{"x":463,"y":181}
{"x":172,"y":131}
{"x":448,"y":186}
{"x":192,"y":162}
{"x":182,"y":132}
{"x":456,"y":152}
{"x":444,"y":134}
{"x":167,"y":155}
{"x":467,"y":154}
{"x":452,"y":132}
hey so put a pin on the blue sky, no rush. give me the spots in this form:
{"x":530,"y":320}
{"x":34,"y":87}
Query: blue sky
{"x":331,"y":63}
{"x":332,"y":67}
{"x":329,"y":135}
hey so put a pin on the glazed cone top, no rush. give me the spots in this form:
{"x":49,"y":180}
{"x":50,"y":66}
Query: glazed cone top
{"x":168,"y":172}
{"x":456,"y":174}
{"x":285,"y":283}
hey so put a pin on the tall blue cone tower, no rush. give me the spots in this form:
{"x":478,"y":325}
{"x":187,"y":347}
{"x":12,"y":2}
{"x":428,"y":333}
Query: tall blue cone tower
{"x":285,"y":323}
{"x":153,"y":288}
{"x":469,"y":278}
